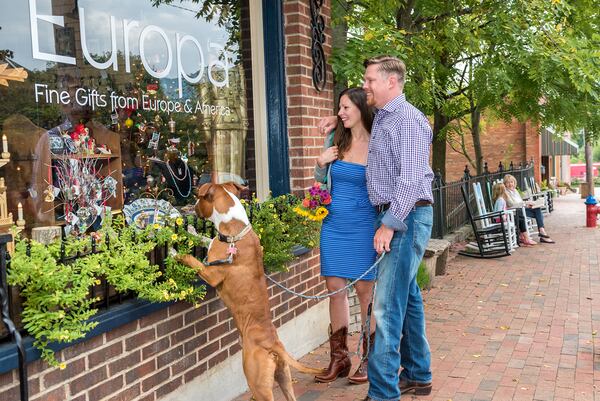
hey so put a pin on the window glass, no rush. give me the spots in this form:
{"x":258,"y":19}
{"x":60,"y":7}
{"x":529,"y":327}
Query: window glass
{"x":106,"y":102}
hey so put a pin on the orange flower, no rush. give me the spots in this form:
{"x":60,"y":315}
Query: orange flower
{"x":306,"y":202}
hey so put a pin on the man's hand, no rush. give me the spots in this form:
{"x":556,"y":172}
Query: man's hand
{"x":327,"y":124}
{"x":382,"y":239}
{"x":329,"y":155}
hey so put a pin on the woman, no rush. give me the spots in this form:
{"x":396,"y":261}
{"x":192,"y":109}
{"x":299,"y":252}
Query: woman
{"x":514,"y":200}
{"x":348,"y":230}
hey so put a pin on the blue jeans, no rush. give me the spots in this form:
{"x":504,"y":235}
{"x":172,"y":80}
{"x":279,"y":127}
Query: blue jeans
{"x":400,"y":335}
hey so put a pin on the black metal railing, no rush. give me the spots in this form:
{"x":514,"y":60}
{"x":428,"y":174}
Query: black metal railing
{"x":449,"y":212}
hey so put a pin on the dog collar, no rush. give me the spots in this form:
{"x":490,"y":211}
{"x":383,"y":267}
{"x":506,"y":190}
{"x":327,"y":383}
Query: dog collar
{"x":232,"y":250}
{"x":231,"y":239}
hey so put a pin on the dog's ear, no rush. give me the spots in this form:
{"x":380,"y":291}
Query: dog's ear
{"x":234,"y":188}
{"x":205,"y":190}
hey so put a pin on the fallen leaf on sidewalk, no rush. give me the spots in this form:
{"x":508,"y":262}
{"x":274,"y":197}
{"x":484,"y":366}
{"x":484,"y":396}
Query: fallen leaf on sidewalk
{"x":476,"y":356}
{"x":504,"y":327}
{"x":594,"y":332}
{"x":539,"y":294}
{"x":504,"y":285}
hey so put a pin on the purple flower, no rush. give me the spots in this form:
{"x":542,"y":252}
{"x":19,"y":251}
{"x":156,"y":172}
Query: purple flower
{"x":313,"y":191}
{"x":313,"y":204}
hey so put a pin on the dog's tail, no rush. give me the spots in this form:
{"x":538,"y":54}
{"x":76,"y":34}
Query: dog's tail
{"x":283,"y":354}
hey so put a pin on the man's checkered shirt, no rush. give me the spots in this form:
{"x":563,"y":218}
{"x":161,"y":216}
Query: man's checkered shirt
{"x":398,"y":169}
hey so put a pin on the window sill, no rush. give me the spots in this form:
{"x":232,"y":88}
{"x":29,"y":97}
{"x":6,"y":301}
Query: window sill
{"x":107,"y":320}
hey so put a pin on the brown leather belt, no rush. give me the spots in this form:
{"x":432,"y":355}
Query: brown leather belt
{"x":386,"y":206}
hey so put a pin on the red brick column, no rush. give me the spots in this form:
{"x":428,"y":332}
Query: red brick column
{"x":533,"y":148}
{"x":305,"y":104}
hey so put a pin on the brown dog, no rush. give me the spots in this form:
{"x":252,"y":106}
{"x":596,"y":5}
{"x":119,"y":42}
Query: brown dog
{"x":242,"y":286}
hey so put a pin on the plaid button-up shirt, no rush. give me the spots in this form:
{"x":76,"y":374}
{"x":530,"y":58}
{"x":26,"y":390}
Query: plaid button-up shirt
{"x":398,"y":169}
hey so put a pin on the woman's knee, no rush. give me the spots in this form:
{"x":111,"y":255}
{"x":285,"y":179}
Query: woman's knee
{"x":364,"y":291}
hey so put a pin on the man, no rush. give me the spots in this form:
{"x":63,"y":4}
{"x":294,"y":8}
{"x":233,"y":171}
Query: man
{"x":399,"y":183}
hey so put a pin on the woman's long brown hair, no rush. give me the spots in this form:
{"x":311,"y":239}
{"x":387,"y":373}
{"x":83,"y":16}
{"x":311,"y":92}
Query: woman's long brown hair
{"x":343,"y":136}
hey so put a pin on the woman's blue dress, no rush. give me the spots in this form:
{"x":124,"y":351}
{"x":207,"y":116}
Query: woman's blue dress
{"x":347,"y":232}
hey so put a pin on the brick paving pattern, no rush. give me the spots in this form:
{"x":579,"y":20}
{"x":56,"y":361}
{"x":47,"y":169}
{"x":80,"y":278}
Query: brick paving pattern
{"x":522,"y":327}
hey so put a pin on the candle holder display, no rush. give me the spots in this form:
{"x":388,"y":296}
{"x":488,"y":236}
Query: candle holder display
{"x":5,"y":153}
{"x":6,"y":218}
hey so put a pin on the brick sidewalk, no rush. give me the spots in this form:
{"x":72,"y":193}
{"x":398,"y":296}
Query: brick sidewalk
{"x":520,"y":328}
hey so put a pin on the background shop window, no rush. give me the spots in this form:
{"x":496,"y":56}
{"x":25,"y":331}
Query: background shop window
{"x":121,"y":96}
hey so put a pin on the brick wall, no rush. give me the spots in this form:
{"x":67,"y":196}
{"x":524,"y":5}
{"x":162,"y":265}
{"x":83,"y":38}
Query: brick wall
{"x":305,"y":104}
{"x":152,"y":356}
{"x":500,"y":142}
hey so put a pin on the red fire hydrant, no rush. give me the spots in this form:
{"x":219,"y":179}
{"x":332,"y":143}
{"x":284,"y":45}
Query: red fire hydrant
{"x":592,"y":210}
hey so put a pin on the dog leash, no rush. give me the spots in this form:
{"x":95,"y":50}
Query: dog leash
{"x":366,"y":329}
{"x":329,"y":294}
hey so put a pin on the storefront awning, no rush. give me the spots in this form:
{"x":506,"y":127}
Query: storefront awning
{"x":553,"y":145}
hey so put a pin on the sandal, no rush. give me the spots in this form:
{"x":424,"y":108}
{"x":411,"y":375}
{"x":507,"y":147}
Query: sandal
{"x":546,"y":240}
{"x":543,"y":235}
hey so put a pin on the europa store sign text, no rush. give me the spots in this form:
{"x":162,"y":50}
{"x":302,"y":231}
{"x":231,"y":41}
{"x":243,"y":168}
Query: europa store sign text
{"x":180,"y":40}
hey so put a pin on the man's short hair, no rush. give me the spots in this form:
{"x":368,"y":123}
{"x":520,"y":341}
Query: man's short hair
{"x":388,"y":65}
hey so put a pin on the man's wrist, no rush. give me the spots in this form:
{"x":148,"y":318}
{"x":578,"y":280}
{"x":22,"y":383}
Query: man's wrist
{"x":393,"y":223}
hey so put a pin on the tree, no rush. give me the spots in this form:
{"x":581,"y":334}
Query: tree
{"x":470,"y":57}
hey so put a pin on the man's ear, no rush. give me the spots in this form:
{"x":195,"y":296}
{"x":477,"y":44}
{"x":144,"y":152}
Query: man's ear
{"x":205,"y":190}
{"x":234,"y":188}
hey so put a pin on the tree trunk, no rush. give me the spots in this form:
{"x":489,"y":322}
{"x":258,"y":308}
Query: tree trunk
{"x":439,"y":143}
{"x":475,"y":133}
{"x":589,"y":160}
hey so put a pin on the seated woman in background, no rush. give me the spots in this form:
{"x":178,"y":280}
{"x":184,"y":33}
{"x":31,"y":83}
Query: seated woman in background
{"x":499,"y":198}
{"x":514,"y":200}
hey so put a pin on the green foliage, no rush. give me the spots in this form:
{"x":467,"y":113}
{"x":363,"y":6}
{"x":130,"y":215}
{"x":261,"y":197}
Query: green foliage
{"x":422,"y":277}
{"x":57,"y":306}
{"x":524,"y":59}
{"x":280,"y":229}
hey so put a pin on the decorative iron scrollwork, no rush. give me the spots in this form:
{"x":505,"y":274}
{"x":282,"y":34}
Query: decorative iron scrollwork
{"x":317,"y":25}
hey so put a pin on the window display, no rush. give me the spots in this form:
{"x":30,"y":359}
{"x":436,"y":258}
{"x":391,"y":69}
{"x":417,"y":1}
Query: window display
{"x":103,"y":103}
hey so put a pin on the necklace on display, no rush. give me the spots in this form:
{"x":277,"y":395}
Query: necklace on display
{"x":177,"y":179}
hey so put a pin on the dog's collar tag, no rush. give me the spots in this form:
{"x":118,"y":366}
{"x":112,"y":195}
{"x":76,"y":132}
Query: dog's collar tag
{"x":232,"y":250}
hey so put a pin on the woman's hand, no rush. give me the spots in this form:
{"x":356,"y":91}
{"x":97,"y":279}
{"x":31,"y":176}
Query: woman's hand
{"x":329,"y":155}
{"x":327,"y":124}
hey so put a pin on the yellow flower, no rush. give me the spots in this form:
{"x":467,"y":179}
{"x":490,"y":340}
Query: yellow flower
{"x":174,"y":237}
{"x":243,"y":201}
{"x":182,"y":294}
{"x":156,"y":226}
{"x":97,"y":282}
{"x":321,"y":211}
{"x":179,"y":221}
{"x":62,"y":366}
{"x":190,"y":243}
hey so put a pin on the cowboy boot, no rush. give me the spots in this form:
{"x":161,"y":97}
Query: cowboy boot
{"x":360,"y":376}
{"x":340,"y":363}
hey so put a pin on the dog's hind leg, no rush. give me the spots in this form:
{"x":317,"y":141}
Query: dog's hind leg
{"x":283,"y":376}
{"x":259,"y":368}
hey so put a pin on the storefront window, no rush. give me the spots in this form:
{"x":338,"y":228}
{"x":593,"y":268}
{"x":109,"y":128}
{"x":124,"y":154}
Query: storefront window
{"x":118,"y":98}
